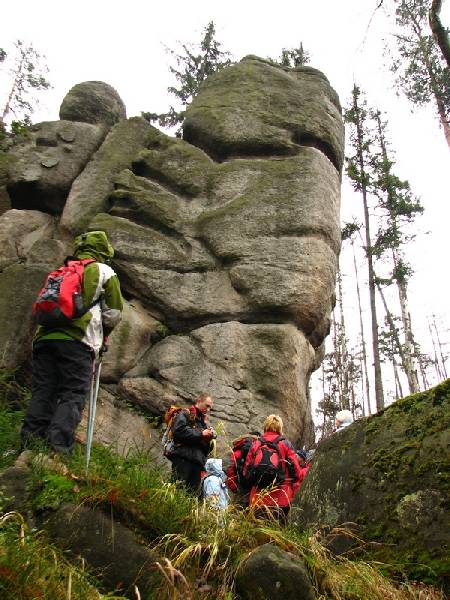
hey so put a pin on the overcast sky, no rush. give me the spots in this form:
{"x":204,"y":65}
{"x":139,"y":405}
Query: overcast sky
{"x":122,"y":43}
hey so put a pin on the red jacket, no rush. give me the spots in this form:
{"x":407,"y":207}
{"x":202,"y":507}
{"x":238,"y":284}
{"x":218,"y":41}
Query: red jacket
{"x":304,"y":471}
{"x":284,"y":494}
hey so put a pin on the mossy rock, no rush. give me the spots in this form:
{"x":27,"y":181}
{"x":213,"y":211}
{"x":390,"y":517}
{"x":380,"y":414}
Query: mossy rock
{"x":270,"y":573}
{"x":232,"y":117}
{"x":389,"y":474}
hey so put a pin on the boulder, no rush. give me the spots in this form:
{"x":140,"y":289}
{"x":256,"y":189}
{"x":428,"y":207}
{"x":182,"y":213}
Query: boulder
{"x":387,"y":474}
{"x":47,"y":162}
{"x":270,"y":573}
{"x":19,"y":230}
{"x":15,"y":484}
{"x":90,"y":191}
{"x":149,"y":395}
{"x":93,"y":102}
{"x":257,"y":108}
{"x":109,"y":547}
{"x":20,"y":285}
{"x":122,"y":429}
{"x":129,"y":341}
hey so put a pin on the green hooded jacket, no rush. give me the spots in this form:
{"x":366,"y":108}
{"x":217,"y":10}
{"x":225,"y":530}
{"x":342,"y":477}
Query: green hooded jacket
{"x":101,"y":288}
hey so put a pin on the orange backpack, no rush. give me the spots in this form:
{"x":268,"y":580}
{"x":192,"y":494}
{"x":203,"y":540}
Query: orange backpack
{"x":167,"y":441}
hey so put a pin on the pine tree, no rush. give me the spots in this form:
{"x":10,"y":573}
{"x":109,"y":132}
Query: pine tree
{"x":192,"y":66}
{"x":400,"y":207}
{"x":293,"y":57}
{"x":358,"y":172}
{"x":421,"y":73}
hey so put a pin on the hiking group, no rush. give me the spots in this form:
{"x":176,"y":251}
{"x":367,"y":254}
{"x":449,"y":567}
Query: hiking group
{"x":76,"y":310}
{"x":264,"y":471}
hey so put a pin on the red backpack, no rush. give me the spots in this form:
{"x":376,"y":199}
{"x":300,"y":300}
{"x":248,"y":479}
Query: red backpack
{"x":267,"y":467}
{"x":61,"y":298}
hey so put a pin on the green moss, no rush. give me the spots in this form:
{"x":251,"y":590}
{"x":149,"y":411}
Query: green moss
{"x":361,"y":518}
{"x":163,"y":330}
{"x":5,"y":162}
{"x":124,"y":336}
{"x":356,"y":480}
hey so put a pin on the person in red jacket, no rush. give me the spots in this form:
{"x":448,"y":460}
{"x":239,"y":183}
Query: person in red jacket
{"x":275,"y":500}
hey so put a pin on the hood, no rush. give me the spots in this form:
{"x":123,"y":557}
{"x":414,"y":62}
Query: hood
{"x":93,"y":244}
{"x":213,"y":466}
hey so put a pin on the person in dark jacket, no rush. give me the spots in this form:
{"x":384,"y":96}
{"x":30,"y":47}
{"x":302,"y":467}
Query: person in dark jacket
{"x":304,"y":463}
{"x":192,"y":440}
{"x":236,"y":481}
{"x":63,"y":355}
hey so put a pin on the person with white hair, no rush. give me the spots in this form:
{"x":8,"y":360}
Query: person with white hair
{"x":344,"y":418}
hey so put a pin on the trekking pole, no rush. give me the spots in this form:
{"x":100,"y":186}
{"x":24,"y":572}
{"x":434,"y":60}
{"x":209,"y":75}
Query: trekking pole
{"x":95,"y":384}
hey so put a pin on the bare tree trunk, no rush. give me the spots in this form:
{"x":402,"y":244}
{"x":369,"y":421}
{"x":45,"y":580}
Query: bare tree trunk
{"x":398,"y":385}
{"x":423,"y":373}
{"x":410,"y":365}
{"x":379,"y":396}
{"x":14,"y":86}
{"x":443,"y":360}
{"x":345,"y":389}
{"x":361,"y":329}
{"x":437,"y":367}
{"x":440,"y":35}
{"x":337,"y":361}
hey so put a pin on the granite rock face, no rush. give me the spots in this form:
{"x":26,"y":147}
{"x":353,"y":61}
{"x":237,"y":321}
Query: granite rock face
{"x":226,"y":241}
{"x":283,"y":108}
{"x":47,"y":162}
{"x":90,"y":191}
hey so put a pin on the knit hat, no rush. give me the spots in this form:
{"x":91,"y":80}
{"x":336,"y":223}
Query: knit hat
{"x":302,"y":453}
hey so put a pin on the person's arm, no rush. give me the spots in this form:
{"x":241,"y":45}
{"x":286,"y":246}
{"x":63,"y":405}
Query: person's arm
{"x":111,"y":302}
{"x":296,"y":475}
{"x":184,"y":433}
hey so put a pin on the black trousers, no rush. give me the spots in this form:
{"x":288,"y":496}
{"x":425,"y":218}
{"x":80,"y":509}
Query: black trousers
{"x":188,"y":472}
{"x":62,"y":373}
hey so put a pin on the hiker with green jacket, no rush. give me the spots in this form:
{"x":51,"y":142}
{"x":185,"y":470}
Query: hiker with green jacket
{"x":64,"y":353}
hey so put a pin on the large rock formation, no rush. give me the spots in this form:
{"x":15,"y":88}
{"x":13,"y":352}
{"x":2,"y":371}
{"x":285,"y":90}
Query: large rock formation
{"x":226,"y":241}
{"x":388,"y":474}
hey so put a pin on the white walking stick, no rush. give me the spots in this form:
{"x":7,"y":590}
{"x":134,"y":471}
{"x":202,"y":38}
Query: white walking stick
{"x":95,"y":384}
